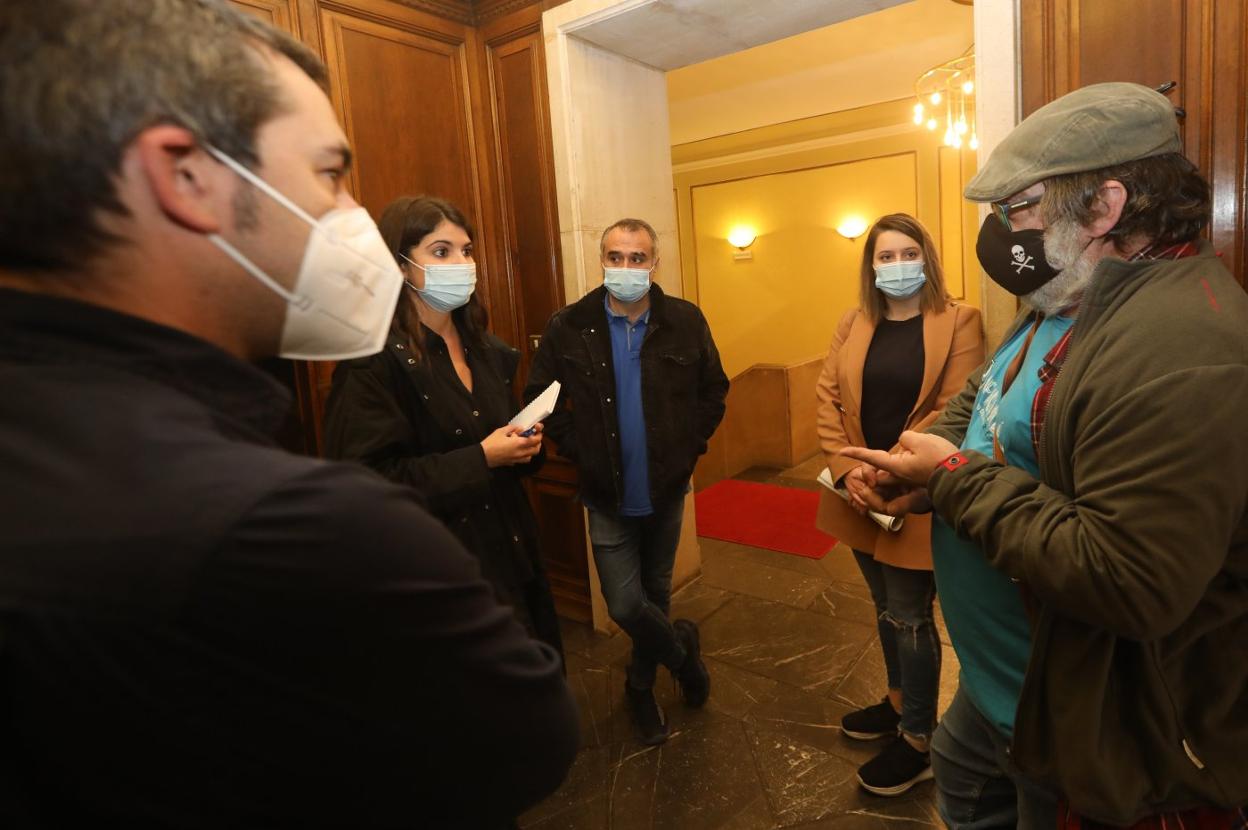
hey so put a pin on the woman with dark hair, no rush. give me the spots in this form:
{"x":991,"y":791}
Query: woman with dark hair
{"x":894,"y":363}
{"x":431,"y":409}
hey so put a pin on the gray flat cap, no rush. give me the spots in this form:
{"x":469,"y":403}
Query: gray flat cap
{"x":1093,"y":127}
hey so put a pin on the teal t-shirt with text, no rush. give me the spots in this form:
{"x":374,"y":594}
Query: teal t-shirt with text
{"x":983,"y":609}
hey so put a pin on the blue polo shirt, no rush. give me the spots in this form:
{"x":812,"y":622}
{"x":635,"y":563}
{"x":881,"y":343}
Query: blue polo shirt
{"x":983,"y":608}
{"x":626,"y":356}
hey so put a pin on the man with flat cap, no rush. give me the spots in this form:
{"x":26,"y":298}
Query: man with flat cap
{"x":1091,"y":490}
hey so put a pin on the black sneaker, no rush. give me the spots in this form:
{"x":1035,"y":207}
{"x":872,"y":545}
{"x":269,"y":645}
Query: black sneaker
{"x":647,"y":715}
{"x":694,"y":679}
{"x":878,"y":721}
{"x":895,"y":770}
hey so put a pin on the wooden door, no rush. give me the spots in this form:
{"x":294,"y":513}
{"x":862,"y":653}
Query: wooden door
{"x":1201,"y":44}
{"x":399,"y":79}
{"x":514,"y":68}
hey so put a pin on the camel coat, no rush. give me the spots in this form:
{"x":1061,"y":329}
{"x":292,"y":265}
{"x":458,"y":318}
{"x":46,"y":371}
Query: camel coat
{"x":953,"y":345}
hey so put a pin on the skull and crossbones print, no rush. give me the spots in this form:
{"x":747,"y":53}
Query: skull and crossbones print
{"x":1021,"y":259}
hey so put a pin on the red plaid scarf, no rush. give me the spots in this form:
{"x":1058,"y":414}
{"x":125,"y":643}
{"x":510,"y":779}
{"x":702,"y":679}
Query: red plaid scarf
{"x":1199,"y":819}
{"x":1057,"y":355}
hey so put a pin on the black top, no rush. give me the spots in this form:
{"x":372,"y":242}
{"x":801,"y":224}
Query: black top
{"x":891,"y":379}
{"x":683,"y":388}
{"x":198,"y":629}
{"x":416,"y":423}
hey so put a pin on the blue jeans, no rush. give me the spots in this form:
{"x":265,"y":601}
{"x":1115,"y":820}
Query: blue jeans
{"x":903,"y":605}
{"x":634,"y":556}
{"x":979,"y":788}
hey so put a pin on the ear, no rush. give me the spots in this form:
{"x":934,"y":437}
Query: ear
{"x":191,"y":187}
{"x":1107,"y":209}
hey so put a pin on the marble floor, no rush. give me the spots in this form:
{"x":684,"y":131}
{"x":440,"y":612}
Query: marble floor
{"x":791,"y":644}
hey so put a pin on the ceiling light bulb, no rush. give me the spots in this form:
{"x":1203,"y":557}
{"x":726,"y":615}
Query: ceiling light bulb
{"x":931,"y":123}
{"x":935,"y":99}
{"x":968,"y":87}
{"x":960,"y":127}
{"x":974,"y":142}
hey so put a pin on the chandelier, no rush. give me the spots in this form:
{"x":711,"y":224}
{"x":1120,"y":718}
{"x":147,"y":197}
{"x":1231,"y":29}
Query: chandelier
{"x":946,"y":98}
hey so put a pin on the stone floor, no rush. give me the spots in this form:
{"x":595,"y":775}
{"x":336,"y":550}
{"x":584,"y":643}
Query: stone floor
{"x":791,"y":644}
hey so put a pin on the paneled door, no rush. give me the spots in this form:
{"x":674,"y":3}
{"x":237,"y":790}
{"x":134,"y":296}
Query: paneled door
{"x":516,"y":72}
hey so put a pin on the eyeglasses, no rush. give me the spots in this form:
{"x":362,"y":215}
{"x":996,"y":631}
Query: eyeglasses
{"x":1004,"y":209}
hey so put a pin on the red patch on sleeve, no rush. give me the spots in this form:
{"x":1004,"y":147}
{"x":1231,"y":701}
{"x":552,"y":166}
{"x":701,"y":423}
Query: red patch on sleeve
{"x":1213,"y":301}
{"x":954,"y":461}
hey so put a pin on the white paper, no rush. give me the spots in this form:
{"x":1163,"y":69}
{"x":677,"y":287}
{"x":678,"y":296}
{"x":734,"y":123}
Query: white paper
{"x":889,"y":523}
{"x":539,"y":409}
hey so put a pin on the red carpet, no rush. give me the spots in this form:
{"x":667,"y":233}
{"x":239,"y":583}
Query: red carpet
{"x":762,"y":516}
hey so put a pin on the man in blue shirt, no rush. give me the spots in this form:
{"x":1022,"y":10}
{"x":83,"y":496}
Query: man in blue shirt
{"x":642,"y":393}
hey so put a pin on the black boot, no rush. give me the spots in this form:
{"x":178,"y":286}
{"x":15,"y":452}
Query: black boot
{"x":694,"y":679}
{"x":647,"y":715}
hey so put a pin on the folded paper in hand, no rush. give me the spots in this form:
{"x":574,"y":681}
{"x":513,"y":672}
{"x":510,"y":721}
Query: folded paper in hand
{"x":539,"y":408}
{"x":889,"y":523}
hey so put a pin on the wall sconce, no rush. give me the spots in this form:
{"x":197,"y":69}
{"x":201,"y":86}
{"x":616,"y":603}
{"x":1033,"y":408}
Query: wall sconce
{"x":742,"y":237}
{"x":852,"y":228}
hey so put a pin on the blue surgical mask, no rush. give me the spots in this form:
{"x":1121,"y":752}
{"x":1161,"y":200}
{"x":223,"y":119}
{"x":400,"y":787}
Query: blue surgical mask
{"x":447,"y":286}
{"x":900,"y":279}
{"x":628,"y":285}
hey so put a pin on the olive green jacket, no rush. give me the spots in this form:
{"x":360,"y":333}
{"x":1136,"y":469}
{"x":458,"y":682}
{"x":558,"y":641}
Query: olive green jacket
{"x":1134,"y":542}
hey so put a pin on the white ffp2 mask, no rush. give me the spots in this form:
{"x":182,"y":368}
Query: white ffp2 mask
{"x":348,"y":283}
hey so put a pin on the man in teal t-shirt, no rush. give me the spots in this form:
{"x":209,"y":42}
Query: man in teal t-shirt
{"x":984,"y":609}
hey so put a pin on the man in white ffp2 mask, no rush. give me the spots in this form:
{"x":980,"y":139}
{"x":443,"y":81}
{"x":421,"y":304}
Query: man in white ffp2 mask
{"x":347,"y":286}
{"x":313,"y":648}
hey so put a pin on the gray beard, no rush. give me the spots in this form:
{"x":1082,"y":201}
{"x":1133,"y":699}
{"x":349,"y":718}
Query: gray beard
{"x":1064,"y":249}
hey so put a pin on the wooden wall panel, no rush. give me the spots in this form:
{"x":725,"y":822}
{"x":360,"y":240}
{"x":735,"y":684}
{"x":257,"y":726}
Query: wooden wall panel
{"x":1201,"y":44}
{"x":402,"y":96}
{"x":561,"y":529}
{"x":280,"y":13}
{"x":513,"y":99}
{"x":526,"y":182}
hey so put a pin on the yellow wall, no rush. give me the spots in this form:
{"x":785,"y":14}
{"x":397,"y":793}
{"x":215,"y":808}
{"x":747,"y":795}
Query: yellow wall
{"x":794,"y":183}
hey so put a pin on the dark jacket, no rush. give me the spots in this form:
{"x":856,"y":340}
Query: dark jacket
{"x":682,"y":391}
{"x":415,"y":423}
{"x":1135,"y":543}
{"x":200,"y":630}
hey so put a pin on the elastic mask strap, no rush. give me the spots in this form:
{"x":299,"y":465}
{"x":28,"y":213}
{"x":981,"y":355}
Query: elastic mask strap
{"x":273,"y":192}
{"x":301,"y":302}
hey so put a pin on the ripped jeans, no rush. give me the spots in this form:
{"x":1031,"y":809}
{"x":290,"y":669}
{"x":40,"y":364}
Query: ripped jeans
{"x":903,"y":603}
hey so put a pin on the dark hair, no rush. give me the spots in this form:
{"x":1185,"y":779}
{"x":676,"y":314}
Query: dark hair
{"x":404,"y":223}
{"x":934,"y":295}
{"x":1168,"y":201}
{"x":79,"y":79}
{"x":632,"y":225}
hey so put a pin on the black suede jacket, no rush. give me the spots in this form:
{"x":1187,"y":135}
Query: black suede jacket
{"x":682,"y":392}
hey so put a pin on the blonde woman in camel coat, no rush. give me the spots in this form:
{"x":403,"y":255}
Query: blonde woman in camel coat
{"x":893,"y":364}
